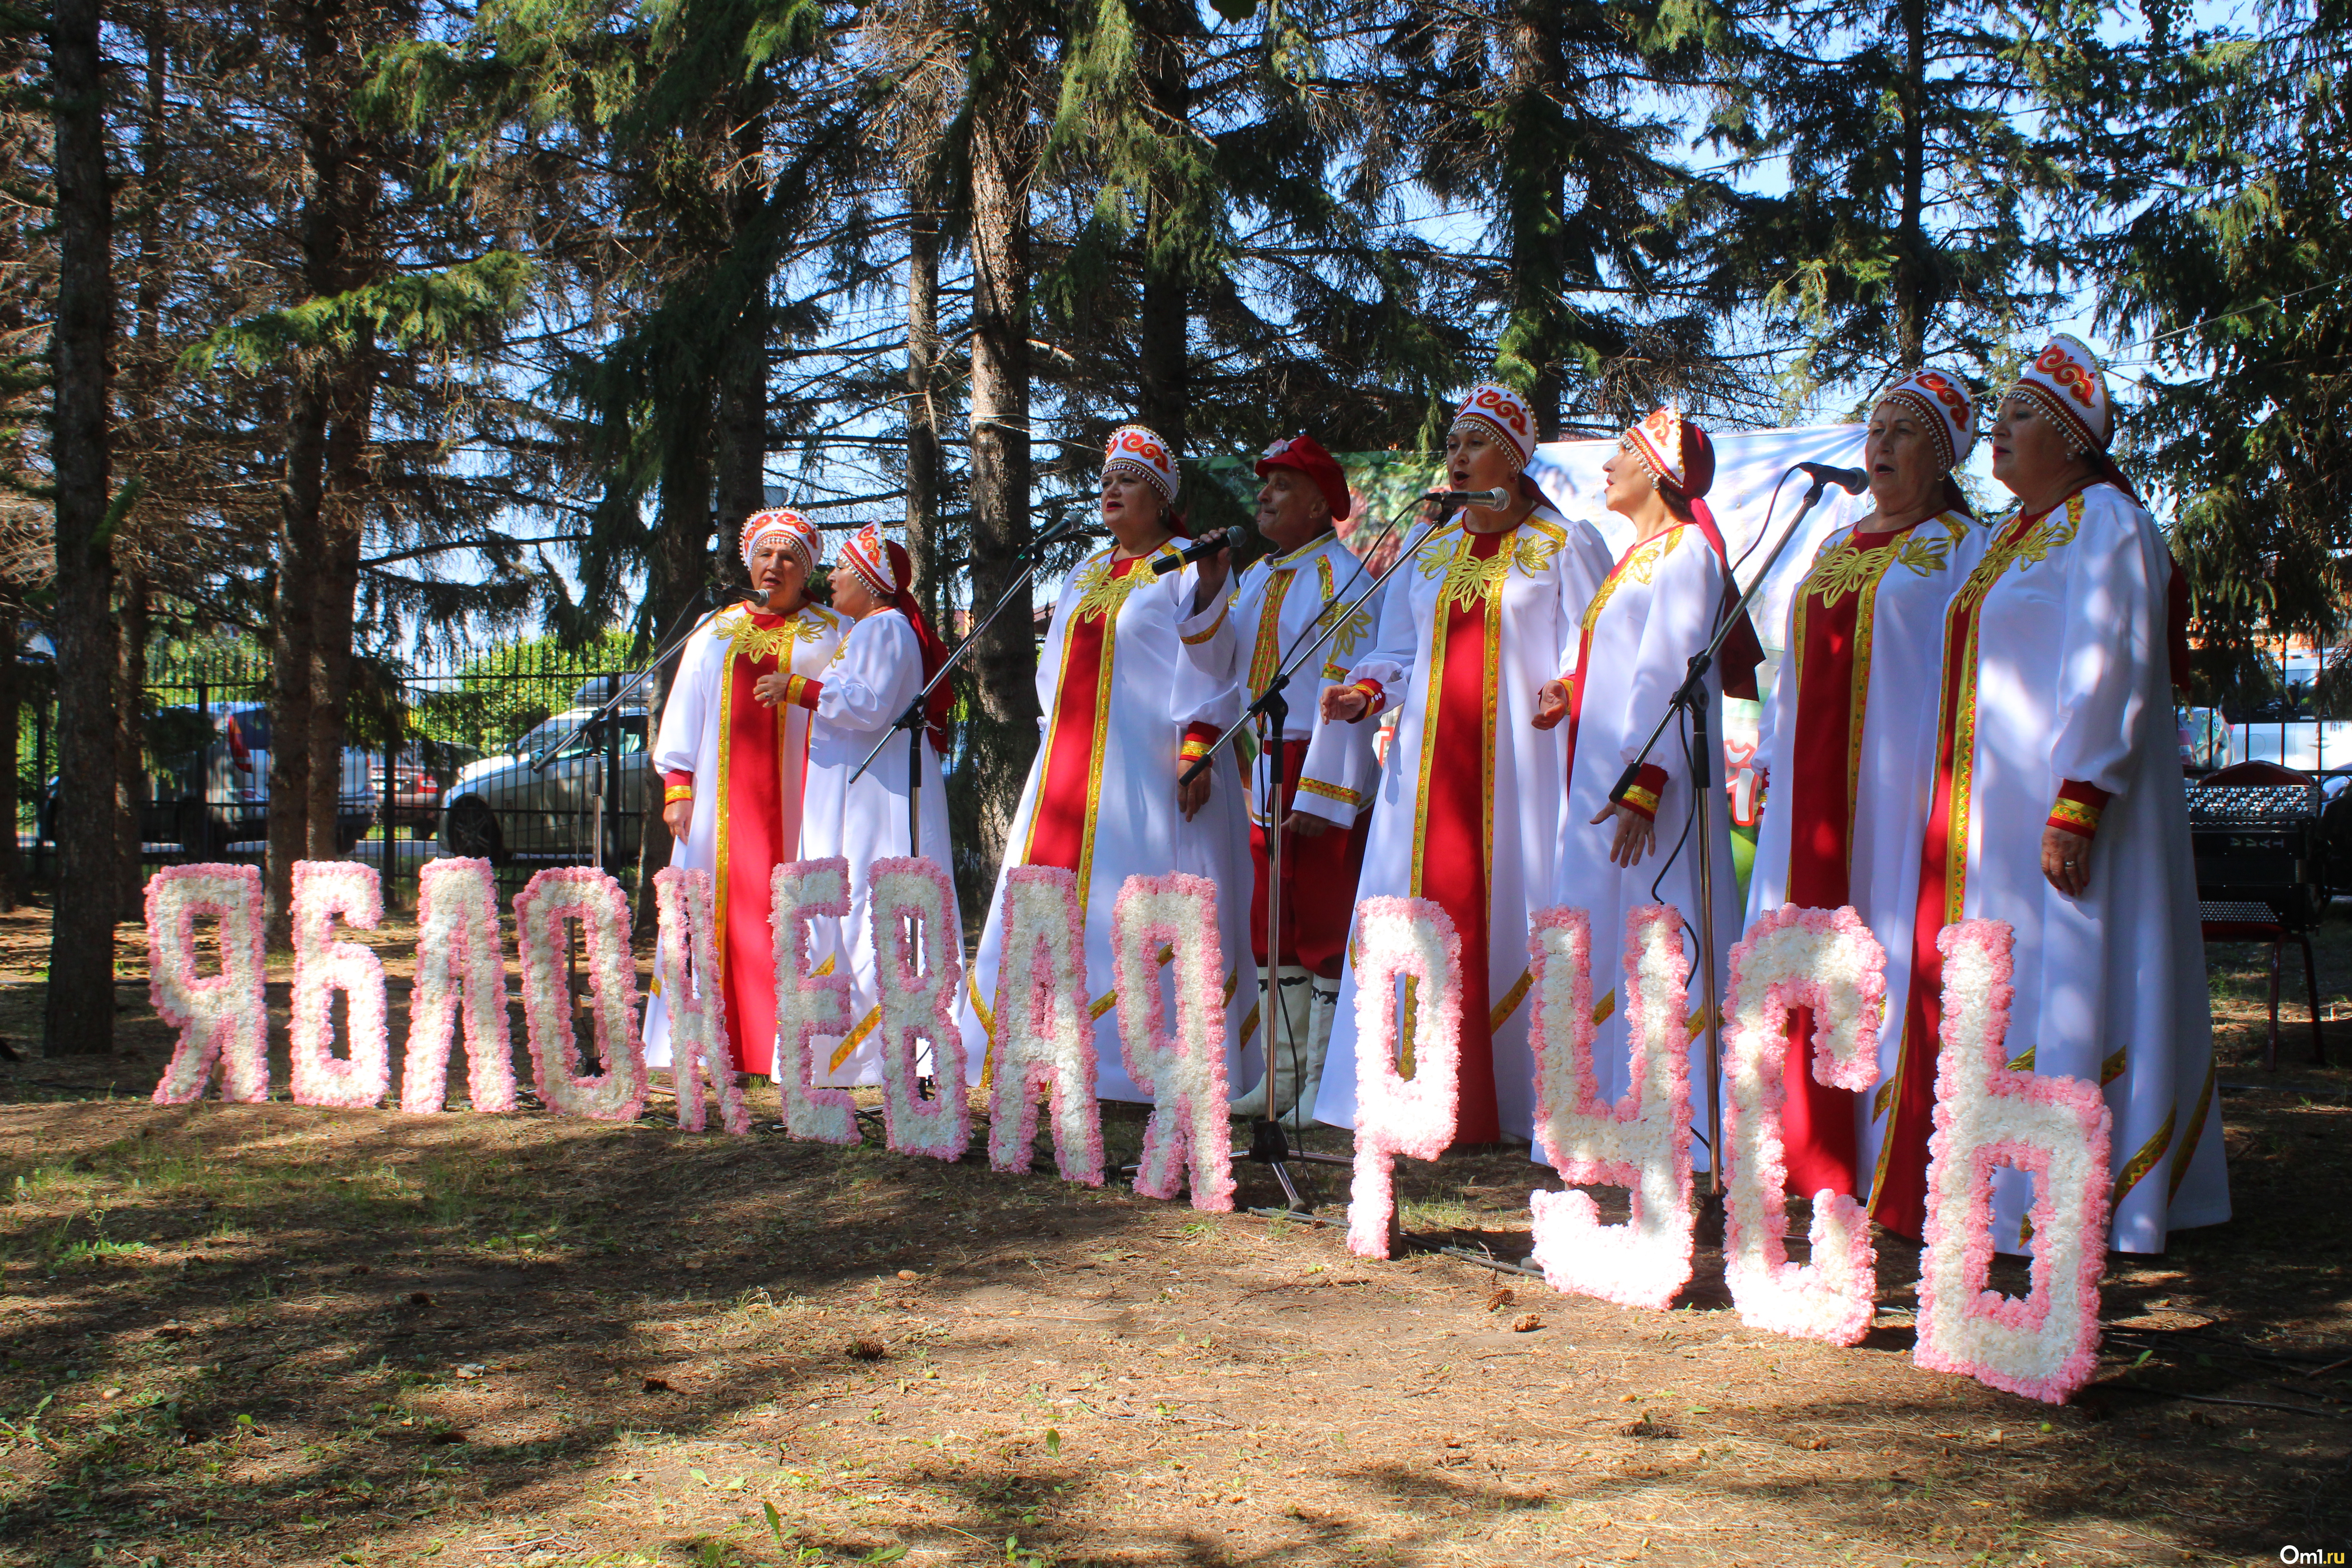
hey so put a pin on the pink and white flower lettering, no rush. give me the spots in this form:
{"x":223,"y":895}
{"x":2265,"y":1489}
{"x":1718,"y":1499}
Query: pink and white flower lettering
{"x":461,"y":970}
{"x":808,"y":1005}
{"x":1642,"y":1142}
{"x":542,"y":909}
{"x":908,"y":905}
{"x":221,"y":1018}
{"x":697,"y":1013}
{"x":2045,"y":1345}
{"x":1044,"y":1035}
{"x":1831,"y":963}
{"x":1412,"y":940}
{"x":1189,"y":1136}
{"x":323,"y":889}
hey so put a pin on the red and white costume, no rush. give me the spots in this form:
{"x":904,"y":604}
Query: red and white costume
{"x":1658,"y":606}
{"x":1122,"y":706}
{"x":880,"y":666}
{"x":1847,"y":746}
{"x":1279,"y":606}
{"x":1466,"y":806}
{"x":745,"y":766}
{"x":2055,"y":709}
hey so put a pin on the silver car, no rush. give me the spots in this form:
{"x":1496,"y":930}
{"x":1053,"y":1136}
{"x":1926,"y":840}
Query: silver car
{"x":589,"y":796}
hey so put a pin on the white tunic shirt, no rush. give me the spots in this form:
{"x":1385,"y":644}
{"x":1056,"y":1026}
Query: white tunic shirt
{"x":1537,"y":588}
{"x":1118,"y":694}
{"x":1657,"y":608}
{"x":874,"y":674}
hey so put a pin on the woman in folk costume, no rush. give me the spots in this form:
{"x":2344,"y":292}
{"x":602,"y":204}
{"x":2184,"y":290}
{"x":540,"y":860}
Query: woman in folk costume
{"x":890,"y":653}
{"x":734,"y":760}
{"x":1125,"y":713}
{"x":1282,"y":603}
{"x":1847,"y":745}
{"x":2057,"y":807}
{"x":1661,"y":604}
{"x":1466,"y":809}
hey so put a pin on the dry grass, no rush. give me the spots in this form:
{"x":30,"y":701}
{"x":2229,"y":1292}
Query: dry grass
{"x":274,"y":1334}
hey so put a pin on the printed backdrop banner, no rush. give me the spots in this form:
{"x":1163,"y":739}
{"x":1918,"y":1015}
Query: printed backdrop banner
{"x":1748,"y":463}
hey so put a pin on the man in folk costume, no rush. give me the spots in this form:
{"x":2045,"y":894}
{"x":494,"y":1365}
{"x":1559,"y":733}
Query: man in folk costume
{"x":2057,"y":806}
{"x":1125,"y":713}
{"x":733,"y":755}
{"x":1466,"y":807}
{"x":1660,"y":604}
{"x":1848,"y":743}
{"x":1284,"y":603}
{"x":890,"y":653}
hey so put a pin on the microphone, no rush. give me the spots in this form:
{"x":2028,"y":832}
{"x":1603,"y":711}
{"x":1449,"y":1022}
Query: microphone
{"x":1207,"y":544}
{"x":1497,"y":499}
{"x":1853,"y":481}
{"x":727,"y":591}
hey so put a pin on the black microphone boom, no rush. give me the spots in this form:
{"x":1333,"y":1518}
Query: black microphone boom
{"x":1207,"y":544}
{"x":1853,"y":481}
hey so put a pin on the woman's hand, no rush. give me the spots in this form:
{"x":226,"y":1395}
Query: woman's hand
{"x":2066,"y":861}
{"x":1344,"y":704}
{"x":1636,"y":835}
{"x":678,"y":817}
{"x":1191,"y":796}
{"x":1551,"y":705}
{"x":1306,"y":825}
{"x":771,"y":688}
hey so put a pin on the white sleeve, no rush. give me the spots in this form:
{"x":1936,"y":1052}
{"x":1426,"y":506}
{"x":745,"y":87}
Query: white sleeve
{"x":1583,"y":567}
{"x":1200,"y":693}
{"x":877,"y":672}
{"x":1390,"y":660}
{"x":1211,"y":644}
{"x":1681,"y":620}
{"x":2116,"y":574}
{"x":1335,"y":782}
{"x":677,"y":744}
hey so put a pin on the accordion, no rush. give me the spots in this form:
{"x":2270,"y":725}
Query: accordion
{"x":2260,"y":845}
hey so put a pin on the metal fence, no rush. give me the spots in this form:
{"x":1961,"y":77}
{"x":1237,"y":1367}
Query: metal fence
{"x":486,"y":756}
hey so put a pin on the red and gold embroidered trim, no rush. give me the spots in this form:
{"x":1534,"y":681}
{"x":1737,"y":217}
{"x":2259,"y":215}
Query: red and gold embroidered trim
{"x":1339,"y":792}
{"x":2078,"y":807}
{"x":1643,"y":794}
{"x":1198,"y":739}
{"x":1376,"y":692}
{"x":800,"y":691}
{"x":673,"y":794}
{"x":1205,"y":633}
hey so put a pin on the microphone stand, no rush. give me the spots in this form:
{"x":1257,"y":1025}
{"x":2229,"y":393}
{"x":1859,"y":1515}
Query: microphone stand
{"x":1270,"y":1144}
{"x":661,"y":657}
{"x":1690,"y":701}
{"x":912,"y":720}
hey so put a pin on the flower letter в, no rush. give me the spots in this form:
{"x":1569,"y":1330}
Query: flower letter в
{"x":220,"y":1017}
{"x":1044,"y":1032}
{"x":911,"y":906}
{"x":809,"y":1006}
{"x":2046,"y":1345}
{"x":541,"y":908}
{"x":1642,"y":1142}
{"x":1831,"y":963}
{"x":697,"y":1004}
{"x":1412,"y":940}
{"x":1188,"y":1135}
{"x":323,"y":889}
{"x":461,"y":967}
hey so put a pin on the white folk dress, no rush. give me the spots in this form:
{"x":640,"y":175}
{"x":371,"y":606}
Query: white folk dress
{"x":2055,"y":674}
{"x":749,"y":764}
{"x":1657,"y":609}
{"x":876,"y":672}
{"x":1847,"y":745}
{"x":1120,"y":697}
{"x":1466,"y":806}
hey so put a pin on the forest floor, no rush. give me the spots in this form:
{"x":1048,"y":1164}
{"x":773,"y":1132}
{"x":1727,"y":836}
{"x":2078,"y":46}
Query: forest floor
{"x":273,"y":1334}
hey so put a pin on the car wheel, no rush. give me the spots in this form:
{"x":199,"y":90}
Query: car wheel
{"x":474,"y":832}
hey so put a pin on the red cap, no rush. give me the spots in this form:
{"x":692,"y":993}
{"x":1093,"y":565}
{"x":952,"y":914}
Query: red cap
{"x":1306,"y":455}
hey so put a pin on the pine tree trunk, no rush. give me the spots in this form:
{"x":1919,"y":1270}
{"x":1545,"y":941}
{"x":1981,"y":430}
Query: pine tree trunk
{"x":292,"y":643}
{"x":11,"y":691}
{"x":1911,"y":293}
{"x":130,"y":739}
{"x":1003,"y":737}
{"x":680,"y":566}
{"x":1160,"y":332}
{"x":342,"y":520}
{"x":1531,"y":354}
{"x":922,"y":412}
{"x":79,"y":1016}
